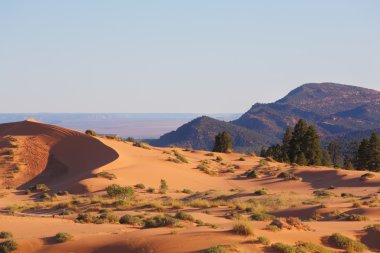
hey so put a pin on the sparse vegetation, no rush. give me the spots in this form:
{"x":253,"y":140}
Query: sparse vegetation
{"x":286,"y":175}
{"x":8,"y":246}
{"x":367,"y":176}
{"x":323,"y":193}
{"x":180,"y":157}
{"x":242,"y":227}
{"x":131,"y":220}
{"x":117,"y":191}
{"x":107,"y":175}
{"x":184,"y":216}
{"x":217,"y":249}
{"x":263,"y":240}
{"x":91,"y":132}
{"x":346,"y":243}
{"x":261,"y":216}
{"x":140,"y":186}
{"x":141,"y":145}
{"x":163,"y":186}
{"x":160,"y":221}
{"x":5,"y":235}
{"x":39,"y":188}
{"x":63,"y":237}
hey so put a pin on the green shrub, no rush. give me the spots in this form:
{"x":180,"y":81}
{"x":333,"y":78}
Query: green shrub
{"x":217,"y":249}
{"x":63,"y":237}
{"x":107,"y":175}
{"x":184,"y":216}
{"x":346,"y":243}
{"x":311,"y":247}
{"x":286,"y":175}
{"x":163,"y":186}
{"x":346,"y":195}
{"x":260,"y":192}
{"x":5,"y":235}
{"x":187,"y":191}
{"x":117,"y":191}
{"x":242,"y":228}
{"x":160,"y":221}
{"x":39,"y":188}
{"x":253,"y":173}
{"x":261,"y":216}
{"x":242,"y":159}
{"x":323,"y":193}
{"x":8,"y":246}
{"x":84,"y":218}
{"x":131,"y":220}
{"x":91,"y":132}
{"x":283,"y":248}
{"x":180,"y":156}
{"x":140,"y":186}
{"x":263,"y":240}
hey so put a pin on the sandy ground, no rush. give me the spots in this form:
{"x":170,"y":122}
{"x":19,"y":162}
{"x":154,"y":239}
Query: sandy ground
{"x":68,"y":160}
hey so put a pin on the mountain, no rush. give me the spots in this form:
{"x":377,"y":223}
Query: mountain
{"x":200,"y":132}
{"x":335,"y":109}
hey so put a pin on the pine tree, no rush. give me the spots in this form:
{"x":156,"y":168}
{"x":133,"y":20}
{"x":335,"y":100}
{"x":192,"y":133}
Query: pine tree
{"x":312,"y":147}
{"x":286,"y":144}
{"x":326,"y":159}
{"x":297,"y":143}
{"x":362,"y":157}
{"x":374,"y":152}
{"x":223,"y":143}
{"x":301,"y":159}
{"x":334,"y":151}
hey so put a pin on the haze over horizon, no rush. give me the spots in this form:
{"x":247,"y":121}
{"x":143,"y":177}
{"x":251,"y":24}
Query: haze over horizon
{"x":179,"y":57}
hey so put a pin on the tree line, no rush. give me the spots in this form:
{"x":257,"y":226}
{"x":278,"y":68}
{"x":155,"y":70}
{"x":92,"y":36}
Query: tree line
{"x":301,"y":145}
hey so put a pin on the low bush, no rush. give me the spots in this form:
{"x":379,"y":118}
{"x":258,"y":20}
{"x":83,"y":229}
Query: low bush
{"x":141,"y":145}
{"x":367,"y":176}
{"x":131,"y":220}
{"x":263,"y":240}
{"x":117,"y":191}
{"x":323,"y":193}
{"x":107,"y":175}
{"x":163,"y":186}
{"x":260,"y":192}
{"x":346,"y":195}
{"x":180,"y":157}
{"x":264,"y":162}
{"x":209,"y":154}
{"x":140,"y":186}
{"x":217,"y":249}
{"x":91,"y":132}
{"x":63,"y":237}
{"x":241,"y":227}
{"x":253,"y":173}
{"x":5,"y":235}
{"x":286,"y":175}
{"x":283,"y":248}
{"x":241,"y":159}
{"x":160,"y":221}
{"x":311,"y":247}
{"x":150,"y":190}
{"x":184,"y":216}
{"x":261,"y":216}
{"x":218,"y":159}
{"x":187,"y":191}
{"x":8,"y":246}
{"x":174,"y":160}
{"x":346,"y":243}
{"x":39,"y":188}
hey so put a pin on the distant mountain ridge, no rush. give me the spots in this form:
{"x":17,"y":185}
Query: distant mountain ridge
{"x":335,"y":109}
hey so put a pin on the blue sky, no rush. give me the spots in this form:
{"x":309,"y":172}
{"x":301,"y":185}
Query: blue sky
{"x":180,"y":56}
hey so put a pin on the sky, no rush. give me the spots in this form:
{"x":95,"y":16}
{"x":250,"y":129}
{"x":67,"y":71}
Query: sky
{"x":211,"y":56}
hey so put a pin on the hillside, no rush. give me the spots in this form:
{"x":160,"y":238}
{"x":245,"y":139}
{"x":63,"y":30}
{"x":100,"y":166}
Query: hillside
{"x":200,"y":133}
{"x":335,"y":109}
{"x":206,"y":194}
{"x":34,"y":152}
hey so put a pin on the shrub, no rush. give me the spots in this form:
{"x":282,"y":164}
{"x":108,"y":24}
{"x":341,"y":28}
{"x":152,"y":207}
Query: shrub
{"x":118,"y":191}
{"x":140,"y":145}
{"x":39,"y":187}
{"x":107,"y":175}
{"x":150,"y":190}
{"x":242,"y":228}
{"x":63,"y":237}
{"x":91,"y":132}
{"x":286,"y":175}
{"x":346,"y":243}
{"x":187,"y":191}
{"x":5,"y":235}
{"x":218,"y":159}
{"x":8,"y":246}
{"x":217,"y":249}
{"x":163,"y":186}
{"x":174,"y":160}
{"x":264,"y":162}
{"x":107,"y":217}
{"x":261,"y":216}
{"x":62,"y":193}
{"x":84,"y":218}
{"x":346,"y":195}
{"x":273,"y":228}
{"x":140,"y":186}
{"x":283,"y":248}
{"x":180,"y":156}
{"x":131,"y":220}
{"x":311,"y":247}
{"x":323,"y":193}
{"x":209,"y":154}
{"x":260,"y":192}
{"x":242,"y":159}
{"x":366,"y":176}
{"x":184,"y":216}
{"x":263,"y":240}
{"x":160,"y":221}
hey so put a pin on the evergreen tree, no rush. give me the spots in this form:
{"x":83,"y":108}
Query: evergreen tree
{"x":223,"y":143}
{"x":326,"y":159}
{"x":312,"y":147}
{"x":334,"y":151}
{"x":374,"y":152}
{"x":301,"y":159}
{"x":286,"y":144}
{"x":297,"y":141}
{"x":362,"y":157}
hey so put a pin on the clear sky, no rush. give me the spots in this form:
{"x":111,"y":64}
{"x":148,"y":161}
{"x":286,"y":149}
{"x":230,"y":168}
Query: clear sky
{"x":180,"y":56}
